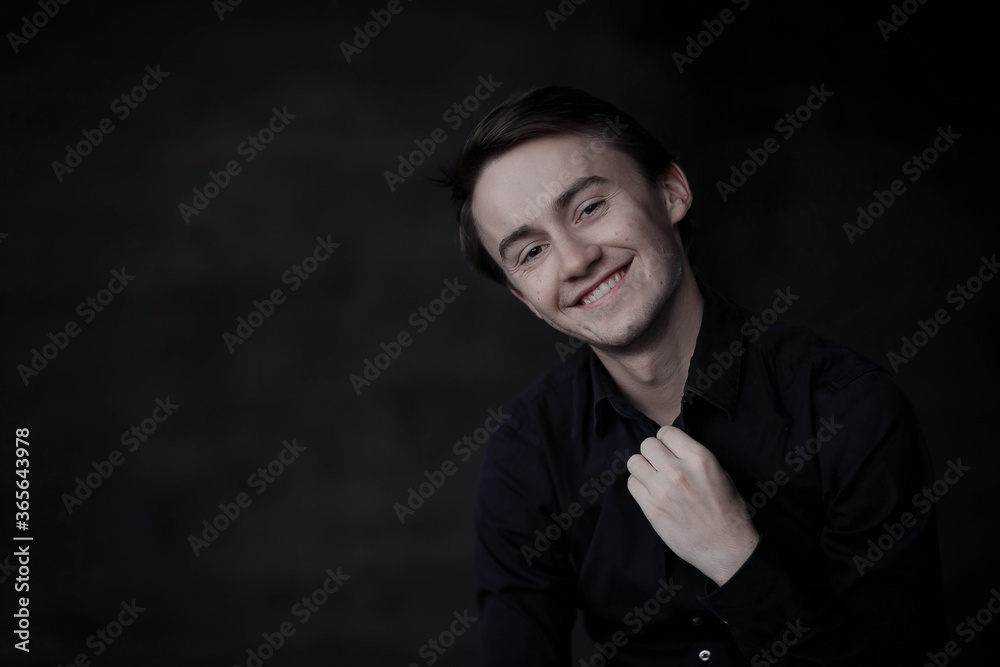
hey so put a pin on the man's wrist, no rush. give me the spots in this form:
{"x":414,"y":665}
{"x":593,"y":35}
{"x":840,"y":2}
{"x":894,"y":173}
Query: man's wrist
{"x":730,"y":563}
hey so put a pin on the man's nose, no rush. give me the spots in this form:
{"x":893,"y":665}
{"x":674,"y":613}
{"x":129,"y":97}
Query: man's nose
{"x":576,"y":257}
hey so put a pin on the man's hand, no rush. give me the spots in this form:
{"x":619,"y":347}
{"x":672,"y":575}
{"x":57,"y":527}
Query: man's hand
{"x":692,"y":503}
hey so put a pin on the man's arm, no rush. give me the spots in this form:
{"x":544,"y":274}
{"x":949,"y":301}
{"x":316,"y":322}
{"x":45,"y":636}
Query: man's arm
{"x":526,"y":593}
{"x":877,"y":610}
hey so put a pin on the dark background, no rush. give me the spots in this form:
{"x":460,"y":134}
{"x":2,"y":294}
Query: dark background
{"x":323,"y":175}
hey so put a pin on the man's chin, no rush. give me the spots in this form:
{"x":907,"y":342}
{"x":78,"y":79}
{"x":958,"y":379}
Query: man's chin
{"x":617,"y":339}
{"x":624,"y":338}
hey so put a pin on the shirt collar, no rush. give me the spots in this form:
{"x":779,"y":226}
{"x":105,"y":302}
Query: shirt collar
{"x":719,"y":343}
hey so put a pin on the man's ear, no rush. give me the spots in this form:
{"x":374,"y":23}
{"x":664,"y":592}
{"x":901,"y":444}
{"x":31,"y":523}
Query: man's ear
{"x":676,"y":192}
{"x":520,"y":297}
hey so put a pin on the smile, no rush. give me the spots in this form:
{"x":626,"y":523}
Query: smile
{"x":604,"y":288}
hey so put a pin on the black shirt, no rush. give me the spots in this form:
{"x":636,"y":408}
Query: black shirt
{"x":821,"y":444}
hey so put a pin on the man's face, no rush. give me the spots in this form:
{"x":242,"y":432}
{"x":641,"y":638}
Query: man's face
{"x":588,"y":244}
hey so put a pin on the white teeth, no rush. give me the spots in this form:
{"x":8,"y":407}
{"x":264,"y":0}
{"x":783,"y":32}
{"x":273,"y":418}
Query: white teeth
{"x":603,"y":289}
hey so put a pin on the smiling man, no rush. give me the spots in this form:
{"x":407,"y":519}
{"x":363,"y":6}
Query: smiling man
{"x":616,"y":487}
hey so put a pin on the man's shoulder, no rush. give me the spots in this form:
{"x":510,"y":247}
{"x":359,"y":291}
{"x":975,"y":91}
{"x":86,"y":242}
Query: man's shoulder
{"x":796,"y":353}
{"x":553,"y":402}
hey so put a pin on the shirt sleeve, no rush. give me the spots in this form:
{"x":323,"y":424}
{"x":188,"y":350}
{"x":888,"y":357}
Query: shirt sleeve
{"x":525,"y":582}
{"x":884,"y":575}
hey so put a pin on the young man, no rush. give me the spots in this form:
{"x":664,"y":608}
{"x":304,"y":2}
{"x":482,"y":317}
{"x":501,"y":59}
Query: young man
{"x":618,"y":484}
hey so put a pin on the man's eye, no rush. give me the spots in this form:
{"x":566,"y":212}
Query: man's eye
{"x":593,"y":208}
{"x":531,"y":254}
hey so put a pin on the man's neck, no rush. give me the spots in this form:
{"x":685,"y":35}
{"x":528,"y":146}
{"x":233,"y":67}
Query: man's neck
{"x":651,"y":375}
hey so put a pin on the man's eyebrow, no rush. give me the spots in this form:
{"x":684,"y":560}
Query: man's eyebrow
{"x":563,"y":200}
{"x":512,"y":238}
{"x":558,"y":204}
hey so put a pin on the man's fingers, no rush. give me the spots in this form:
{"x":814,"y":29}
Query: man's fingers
{"x":641,"y":469}
{"x":657,"y":453}
{"x":638,"y":491}
{"x":680,"y":444}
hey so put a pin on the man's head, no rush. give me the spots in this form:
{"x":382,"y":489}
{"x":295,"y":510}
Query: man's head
{"x":560,"y":193}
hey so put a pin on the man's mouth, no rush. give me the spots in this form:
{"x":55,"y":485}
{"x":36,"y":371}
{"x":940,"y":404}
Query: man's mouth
{"x":604,"y":287}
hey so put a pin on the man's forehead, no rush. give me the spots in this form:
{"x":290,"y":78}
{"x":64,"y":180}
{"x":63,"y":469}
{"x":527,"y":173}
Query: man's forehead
{"x":520,"y":185}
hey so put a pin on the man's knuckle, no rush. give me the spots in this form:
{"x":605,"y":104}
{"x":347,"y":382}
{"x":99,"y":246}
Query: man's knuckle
{"x":660,"y":496}
{"x":674,"y":476}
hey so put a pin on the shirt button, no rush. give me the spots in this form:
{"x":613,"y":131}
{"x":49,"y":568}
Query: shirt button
{"x":705,"y":655}
{"x":696,"y":620}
